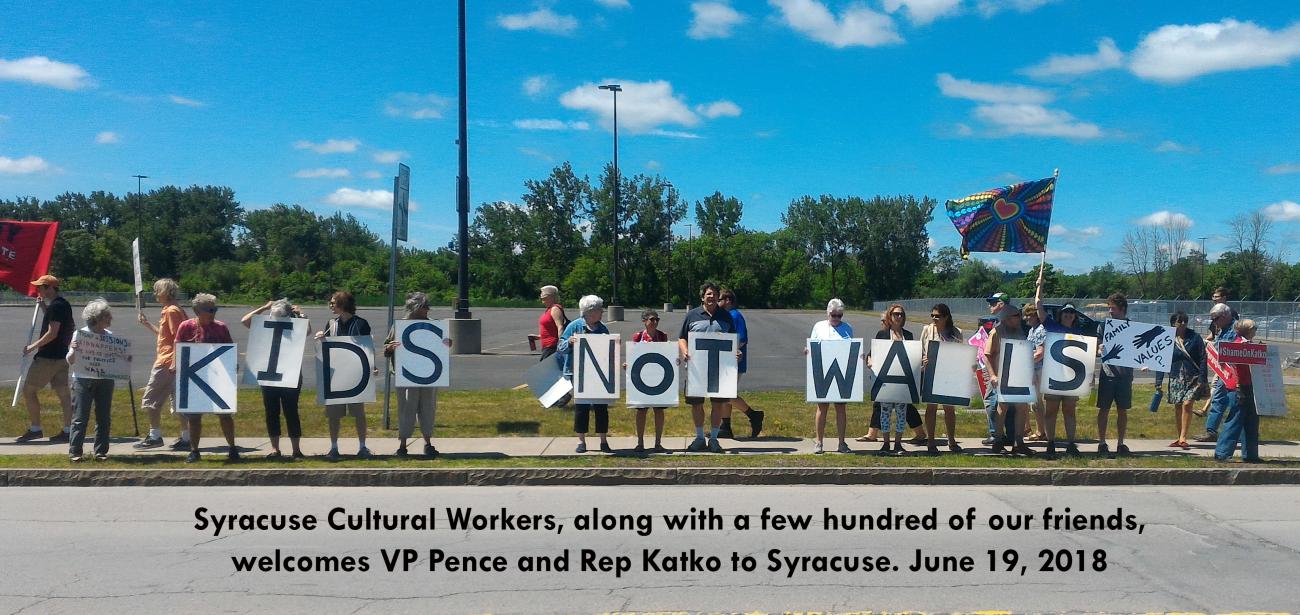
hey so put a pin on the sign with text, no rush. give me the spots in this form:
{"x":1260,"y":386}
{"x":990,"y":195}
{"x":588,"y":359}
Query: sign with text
{"x":1270,"y":395}
{"x":1128,"y":343}
{"x":1016,"y":372}
{"x":547,"y":382}
{"x":343,"y":370}
{"x":947,"y":376}
{"x":1243,"y":353}
{"x":897,"y":367}
{"x":101,"y":355}
{"x":652,"y":374}
{"x":205,"y":378}
{"x":275,"y":350}
{"x":1069,"y":361}
{"x":422,"y":358}
{"x":135,"y":262}
{"x":713,"y":369}
{"x":1225,"y":371}
{"x":596,"y":367}
{"x":833,"y":371}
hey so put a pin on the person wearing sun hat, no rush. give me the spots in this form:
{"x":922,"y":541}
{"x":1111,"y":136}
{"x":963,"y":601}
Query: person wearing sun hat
{"x":49,"y":365}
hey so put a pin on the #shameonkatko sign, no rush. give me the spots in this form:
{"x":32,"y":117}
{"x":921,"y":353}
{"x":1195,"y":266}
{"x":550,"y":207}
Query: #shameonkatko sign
{"x":1128,"y":343}
{"x":101,"y":356}
{"x":1243,"y":353}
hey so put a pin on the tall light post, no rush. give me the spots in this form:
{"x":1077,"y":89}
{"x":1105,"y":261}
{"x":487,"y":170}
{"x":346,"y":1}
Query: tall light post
{"x":466,"y":331}
{"x":615,"y":310}
{"x":1204,"y":257}
{"x":139,"y":202}
{"x":690,"y":264}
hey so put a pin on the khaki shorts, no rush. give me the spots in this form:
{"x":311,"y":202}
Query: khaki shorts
{"x":161,"y":387}
{"x":52,"y":372}
{"x":338,"y":411}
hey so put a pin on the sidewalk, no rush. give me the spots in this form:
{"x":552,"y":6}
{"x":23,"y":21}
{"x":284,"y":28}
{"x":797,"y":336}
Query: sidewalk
{"x":253,"y":447}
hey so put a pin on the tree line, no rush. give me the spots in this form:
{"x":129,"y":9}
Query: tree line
{"x":560,"y":232}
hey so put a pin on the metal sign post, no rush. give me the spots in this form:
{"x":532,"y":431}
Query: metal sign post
{"x":401,"y":207}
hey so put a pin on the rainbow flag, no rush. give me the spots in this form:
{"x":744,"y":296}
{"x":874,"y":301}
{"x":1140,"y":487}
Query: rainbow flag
{"x":1008,"y":219}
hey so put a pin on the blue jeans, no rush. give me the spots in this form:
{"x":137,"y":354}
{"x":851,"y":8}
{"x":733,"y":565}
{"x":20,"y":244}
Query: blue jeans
{"x":991,"y":409}
{"x":1219,"y":404}
{"x":1241,"y":425}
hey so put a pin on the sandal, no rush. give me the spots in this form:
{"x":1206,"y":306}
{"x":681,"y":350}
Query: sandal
{"x":1175,"y":444}
{"x":867,"y":439}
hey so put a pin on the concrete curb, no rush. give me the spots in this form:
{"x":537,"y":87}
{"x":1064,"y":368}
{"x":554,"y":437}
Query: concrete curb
{"x":432,"y":477}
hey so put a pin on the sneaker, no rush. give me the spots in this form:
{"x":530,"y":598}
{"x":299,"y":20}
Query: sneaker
{"x":755,"y":422}
{"x":1208,"y":436}
{"x":899,"y":451}
{"x":953,"y":447}
{"x":884,"y":451}
{"x":232,"y":455}
{"x":59,"y":436}
{"x":430,"y":451}
{"x":989,"y":441}
{"x":604,"y":448}
{"x":192,"y":457}
{"x":180,"y":445}
{"x":1123,"y":451}
{"x":918,"y":440}
{"x":698,"y":445}
{"x":101,"y":457}
{"x":1022,"y":449}
{"x":844,"y":448}
{"x":659,"y":448}
{"x":817,"y":448}
{"x":932,"y":450}
{"x":724,"y":430}
{"x":1103,"y":450}
{"x":333,"y":455}
{"x":714,"y":446}
{"x":363,"y":453}
{"x":148,"y":443}
{"x":582,"y":448}
{"x":1051,"y":451}
{"x":30,"y":435}
{"x":639,"y":449}
{"x":75,"y":458}
{"x":998,"y":447}
{"x":1072,"y":450}
{"x":299,"y":455}
{"x":401,"y":451}
{"x":275,"y":455}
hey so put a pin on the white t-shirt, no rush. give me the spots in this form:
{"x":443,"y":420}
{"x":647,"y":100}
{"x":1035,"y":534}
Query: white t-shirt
{"x":824,"y":331}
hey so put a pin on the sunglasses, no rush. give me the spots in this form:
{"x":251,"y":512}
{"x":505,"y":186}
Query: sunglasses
{"x":898,"y":315}
{"x":936,"y":316}
{"x":653,"y":319}
{"x":837,"y":316}
{"x":211,"y":310}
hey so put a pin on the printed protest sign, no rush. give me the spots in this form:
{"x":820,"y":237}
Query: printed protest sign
{"x":713,"y":368}
{"x":1225,"y":371}
{"x":1243,"y":353}
{"x":205,"y":378}
{"x":275,"y":350}
{"x":1270,"y":396}
{"x":343,"y":370}
{"x":897,"y":367}
{"x":422,"y":359}
{"x":547,"y":382}
{"x":652,"y":374}
{"x":1128,"y":343}
{"x":833,"y":371}
{"x":596,"y":367}
{"x":1016,"y":372}
{"x":1069,"y":361}
{"x":135,"y":263}
{"x":947,"y":376}
{"x":101,"y":356}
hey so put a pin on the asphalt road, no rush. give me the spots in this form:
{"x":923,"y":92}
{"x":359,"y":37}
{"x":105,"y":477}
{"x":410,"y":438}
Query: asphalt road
{"x":775,"y":360}
{"x":134,"y":550}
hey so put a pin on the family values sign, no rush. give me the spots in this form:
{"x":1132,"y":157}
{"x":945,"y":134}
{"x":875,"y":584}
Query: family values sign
{"x":1127,"y":343}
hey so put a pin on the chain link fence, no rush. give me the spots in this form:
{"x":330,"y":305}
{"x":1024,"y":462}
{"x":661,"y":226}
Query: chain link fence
{"x":10,"y":298}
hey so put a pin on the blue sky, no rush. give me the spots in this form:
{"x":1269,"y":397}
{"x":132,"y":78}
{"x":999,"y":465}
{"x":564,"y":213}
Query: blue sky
{"x":1151,"y":109}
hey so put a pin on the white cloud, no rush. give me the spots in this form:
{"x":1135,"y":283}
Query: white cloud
{"x":716,"y":109}
{"x":416,"y":106}
{"x":550,"y":124}
{"x":1108,"y":56}
{"x":653,"y":165}
{"x":1164,"y":217}
{"x":676,"y":134}
{"x":107,"y":137}
{"x":388,"y":157}
{"x":953,"y":87}
{"x":1283,"y":211}
{"x":535,"y":85}
{"x":331,"y":146}
{"x":41,"y":70}
{"x":535,"y":153}
{"x":1285,"y":168}
{"x":1060,"y":231}
{"x":1173,"y":147}
{"x":989,"y":8}
{"x":643,"y":107}
{"x":23,"y":166}
{"x":368,"y":199}
{"x":1036,"y":120}
{"x":542,"y":20}
{"x":614,"y":4}
{"x":922,"y":12}
{"x":857,"y":24}
{"x":186,"y":102}
{"x":713,"y":20}
{"x":372,"y":175}
{"x":1176,"y":53}
{"x":322,"y":173}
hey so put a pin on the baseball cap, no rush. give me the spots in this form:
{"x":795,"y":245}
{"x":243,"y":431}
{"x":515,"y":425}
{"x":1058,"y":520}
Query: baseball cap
{"x":1069,"y":307}
{"x":996,"y":297}
{"x":46,"y":280}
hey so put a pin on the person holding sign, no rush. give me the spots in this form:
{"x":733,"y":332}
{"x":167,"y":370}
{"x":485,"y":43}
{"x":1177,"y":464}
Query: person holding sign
{"x":591,"y":309}
{"x":346,"y":323}
{"x":1187,"y":373}
{"x":49,"y":365}
{"x":1010,"y":421}
{"x":650,"y":333}
{"x":940,"y":329}
{"x":891,"y":328}
{"x":709,"y":317}
{"x":728,"y":302}
{"x":162,"y":379}
{"x":1223,"y":320}
{"x":413,"y":402}
{"x":204,"y":328}
{"x":1114,"y":385}
{"x":833,"y":328}
{"x":1242,"y":422}
{"x":277,"y":400}
{"x":551,"y":322}
{"x":1066,"y":321}
{"x":91,"y":391}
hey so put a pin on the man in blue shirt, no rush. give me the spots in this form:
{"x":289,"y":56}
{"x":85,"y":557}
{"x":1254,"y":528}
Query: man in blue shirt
{"x":728,"y":303}
{"x":709,"y":317}
{"x":1223,"y":323}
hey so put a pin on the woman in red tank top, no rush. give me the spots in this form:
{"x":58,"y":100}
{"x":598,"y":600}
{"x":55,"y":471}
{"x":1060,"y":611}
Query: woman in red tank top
{"x":551,"y":322}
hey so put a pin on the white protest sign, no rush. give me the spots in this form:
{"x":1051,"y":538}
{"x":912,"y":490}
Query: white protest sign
{"x":343,"y":369}
{"x":205,"y":378}
{"x":100,"y":355}
{"x":275,"y":350}
{"x":713,"y":368}
{"x":547,"y":382}
{"x":1016,"y":372}
{"x":897,"y":367}
{"x":135,"y":260}
{"x":1069,"y":361}
{"x":652,"y":374}
{"x":946,"y":376}
{"x":596,"y":367}
{"x":833,"y":371}
{"x":1270,"y":396}
{"x":422,"y":359}
{"x":1127,"y":343}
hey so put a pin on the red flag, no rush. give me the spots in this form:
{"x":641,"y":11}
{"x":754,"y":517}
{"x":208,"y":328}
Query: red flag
{"x":25,"y":251}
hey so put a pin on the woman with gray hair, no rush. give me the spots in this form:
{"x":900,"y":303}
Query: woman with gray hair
{"x":276,"y":400}
{"x":204,"y":328}
{"x":162,"y":378}
{"x":833,"y":328}
{"x":91,"y":391}
{"x":551,"y":322}
{"x":591,"y":308}
{"x":413,"y":402}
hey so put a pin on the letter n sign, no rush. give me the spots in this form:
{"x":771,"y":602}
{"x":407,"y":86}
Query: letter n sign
{"x":596,"y":367}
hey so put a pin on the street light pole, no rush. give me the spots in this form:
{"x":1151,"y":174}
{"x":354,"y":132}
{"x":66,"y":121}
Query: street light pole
{"x":466,"y":331}
{"x":690,"y":265}
{"x":1204,"y":257}
{"x":139,"y":201}
{"x":615,"y":310}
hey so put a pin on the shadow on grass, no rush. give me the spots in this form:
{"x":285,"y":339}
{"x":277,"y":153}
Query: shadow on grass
{"x":521,"y":428}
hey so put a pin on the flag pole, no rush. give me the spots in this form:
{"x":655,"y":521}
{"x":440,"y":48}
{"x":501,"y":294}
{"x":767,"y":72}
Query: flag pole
{"x":22,"y":365}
